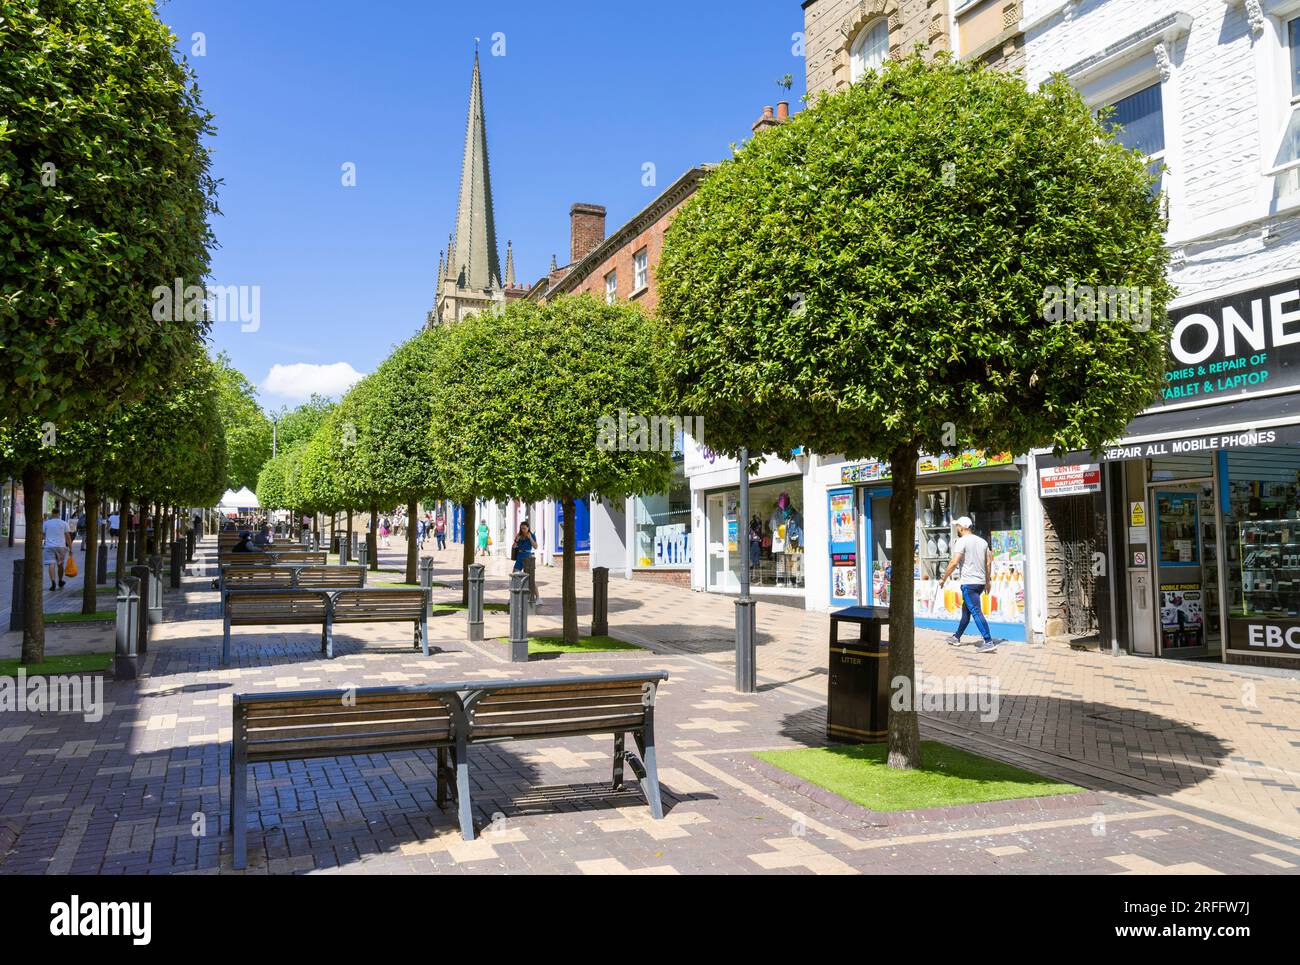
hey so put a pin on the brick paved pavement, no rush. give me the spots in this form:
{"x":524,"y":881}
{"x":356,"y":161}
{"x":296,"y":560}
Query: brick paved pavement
{"x":1180,"y":780}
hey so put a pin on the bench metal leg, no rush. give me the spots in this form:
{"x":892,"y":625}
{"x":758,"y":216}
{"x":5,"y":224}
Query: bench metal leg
{"x":424,"y":630}
{"x":327,"y":639}
{"x":441,"y":773}
{"x":649,"y":773}
{"x":619,"y":754}
{"x":225,"y":642}
{"x":464,"y":809}
{"x":238,"y":812}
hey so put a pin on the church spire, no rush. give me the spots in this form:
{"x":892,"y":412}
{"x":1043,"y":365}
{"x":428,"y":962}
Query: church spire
{"x":510,"y":266}
{"x":476,"y":264}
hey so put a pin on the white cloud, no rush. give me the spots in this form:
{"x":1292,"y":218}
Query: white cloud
{"x":297,"y":382}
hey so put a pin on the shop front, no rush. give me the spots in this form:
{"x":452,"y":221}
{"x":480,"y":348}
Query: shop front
{"x":983,"y":486}
{"x":1203,"y":493}
{"x":773,"y":537}
{"x":661,"y":526}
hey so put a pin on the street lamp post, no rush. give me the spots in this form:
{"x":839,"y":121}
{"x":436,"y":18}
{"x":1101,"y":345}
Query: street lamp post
{"x":746,"y":669}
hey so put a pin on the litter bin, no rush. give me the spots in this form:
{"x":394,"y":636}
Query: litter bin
{"x":857,"y":699}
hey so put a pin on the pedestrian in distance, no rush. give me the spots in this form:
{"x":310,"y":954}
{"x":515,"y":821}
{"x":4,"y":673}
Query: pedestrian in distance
{"x":482,"y":539}
{"x":522,"y":552}
{"x":440,"y":530}
{"x":973,"y":560}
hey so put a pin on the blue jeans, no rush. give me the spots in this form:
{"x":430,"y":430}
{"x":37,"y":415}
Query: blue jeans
{"x":970,"y":605}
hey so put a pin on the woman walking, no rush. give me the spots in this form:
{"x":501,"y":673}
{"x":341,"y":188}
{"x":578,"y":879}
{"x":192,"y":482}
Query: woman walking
{"x":482,"y":538}
{"x":525,"y":562}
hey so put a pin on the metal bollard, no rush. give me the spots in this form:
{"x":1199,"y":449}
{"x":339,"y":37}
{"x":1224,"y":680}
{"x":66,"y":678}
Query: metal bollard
{"x":357,"y":541}
{"x":475,"y":612}
{"x":177,"y":550}
{"x":518,"y":617}
{"x":145,"y":580}
{"x":151,"y":593}
{"x":101,"y":562}
{"x":363,"y":556}
{"x":600,"y":601}
{"x":426,"y":577}
{"x":343,"y":552}
{"x":17,"y":606}
{"x":126,"y":659}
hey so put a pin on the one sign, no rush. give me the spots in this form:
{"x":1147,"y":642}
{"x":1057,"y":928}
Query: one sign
{"x":1264,"y":637}
{"x":1137,"y":514}
{"x":1234,"y":346}
{"x":1069,"y":480}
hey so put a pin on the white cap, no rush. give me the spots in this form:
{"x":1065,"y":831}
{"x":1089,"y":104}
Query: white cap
{"x":964,"y":522}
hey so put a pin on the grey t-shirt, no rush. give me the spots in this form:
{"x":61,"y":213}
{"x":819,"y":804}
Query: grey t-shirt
{"x":974,"y":552}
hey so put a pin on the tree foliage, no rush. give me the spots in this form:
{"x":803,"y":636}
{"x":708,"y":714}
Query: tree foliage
{"x":104,"y":195}
{"x":517,"y":399}
{"x":870,"y":278}
{"x":248,"y":430}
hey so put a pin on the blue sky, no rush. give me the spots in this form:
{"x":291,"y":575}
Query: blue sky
{"x":585,"y":94}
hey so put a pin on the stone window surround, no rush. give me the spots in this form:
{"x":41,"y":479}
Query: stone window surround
{"x":863,"y":17}
{"x":1267,"y":20}
{"x":1131,"y":64}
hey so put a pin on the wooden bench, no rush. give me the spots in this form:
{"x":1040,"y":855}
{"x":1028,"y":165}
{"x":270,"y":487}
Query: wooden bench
{"x":447,"y":718}
{"x":295,"y":606}
{"x":266,"y":576}
{"x":273,"y":556}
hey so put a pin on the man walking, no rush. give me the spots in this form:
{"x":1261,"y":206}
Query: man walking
{"x":58,"y":542}
{"x":440,"y":530}
{"x":971,"y":553}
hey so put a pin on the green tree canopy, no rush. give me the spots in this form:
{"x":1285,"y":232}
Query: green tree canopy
{"x":248,"y":430}
{"x":517,"y":402}
{"x":104,"y":196}
{"x":869,"y":279}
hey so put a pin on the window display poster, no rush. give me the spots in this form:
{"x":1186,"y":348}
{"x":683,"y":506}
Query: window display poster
{"x":844,"y":582}
{"x":843,"y":519}
{"x":672,"y":545}
{"x":1182,"y":616}
{"x":732,"y":544}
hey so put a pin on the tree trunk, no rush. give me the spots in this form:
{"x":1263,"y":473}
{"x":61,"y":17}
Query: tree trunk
{"x":372,"y":537}
{"x":156,"y":545}
{"x":33,"y":588}
{"x":467,"y":547}
{"x":904,"y":729}
{"x":412,"y":551}
{"x":569,"y":578}
{"x":123,"y":520}
{"x":89,"y":569}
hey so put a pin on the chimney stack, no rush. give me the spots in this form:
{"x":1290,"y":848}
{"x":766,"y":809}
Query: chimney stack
{"x":586,"y":230}
{"x":766,"y":121}
{"x":782,"y":111}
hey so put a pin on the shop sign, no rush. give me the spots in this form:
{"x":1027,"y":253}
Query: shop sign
{"x":1274,"y":638}
{"x":1234,"y":345}
{"x":1069,"y":480}
{"x":927,"y":465}
{"x":1182,"y":616}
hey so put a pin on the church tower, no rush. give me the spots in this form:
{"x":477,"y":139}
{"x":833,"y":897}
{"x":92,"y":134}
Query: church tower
{"x":470,"y":279}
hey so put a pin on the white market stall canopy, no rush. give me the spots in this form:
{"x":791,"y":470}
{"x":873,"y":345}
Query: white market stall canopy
{"x":233,"y":501}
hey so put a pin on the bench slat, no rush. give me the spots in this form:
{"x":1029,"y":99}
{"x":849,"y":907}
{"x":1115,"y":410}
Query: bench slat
{"x":579,"y":725}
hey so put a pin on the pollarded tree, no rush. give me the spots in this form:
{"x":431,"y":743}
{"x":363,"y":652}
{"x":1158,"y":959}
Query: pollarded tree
{"x":247,"y":429}
{"x":356,"y":444}
{"x":870,"y":278}
{"x":518,"y":401}
{"x":104,"y":196}
{"x":394,"y":418}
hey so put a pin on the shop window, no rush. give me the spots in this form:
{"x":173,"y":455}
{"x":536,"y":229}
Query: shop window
{"x":1176,"y":529}
{"x":1262,"y":532}
{"x":1182,"y":467}
{"x":663,"y":523}
{"x":773,"y":536}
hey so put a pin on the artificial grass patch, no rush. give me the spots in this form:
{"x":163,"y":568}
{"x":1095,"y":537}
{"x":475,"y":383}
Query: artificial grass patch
{"x":450,"y":607}
{"x":949,"y":776}
{"x":80,"y":617}
{"x":600,"y":644}
{"x":61,"y":664}
{"x":404,"y":586}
